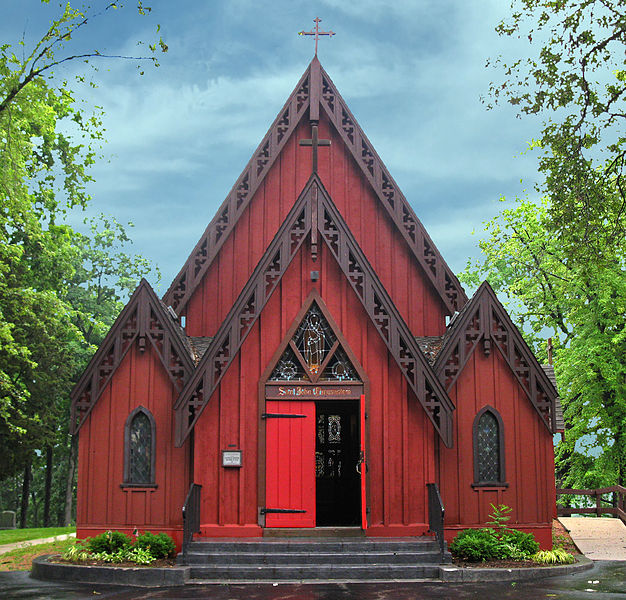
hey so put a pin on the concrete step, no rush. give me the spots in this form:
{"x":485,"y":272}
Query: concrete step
{"x":281,"y":545}
{"x":325,"y":572}
{"x":311,"y":558}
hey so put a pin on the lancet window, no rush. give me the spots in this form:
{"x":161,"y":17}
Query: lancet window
{"x":139,"y":448}
{"x":488,"y":448}
{"x":314,"y":353}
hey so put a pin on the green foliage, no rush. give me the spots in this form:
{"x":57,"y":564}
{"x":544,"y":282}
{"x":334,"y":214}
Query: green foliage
{"x":561,"y":262}
{"x":525,"y":543}
{"x":59,"y":290}
{"x":499,"y":517}
{"x":552,"y":557}
{"x":160,"y":545}
{"x":109,"y":542}
{"x":582,"y":303}
{"x":116,"y":547}
{"x":574,"y":75}
{"x":494,"y":543}
{"x":76,"y":553}
{"x":476,"y":545}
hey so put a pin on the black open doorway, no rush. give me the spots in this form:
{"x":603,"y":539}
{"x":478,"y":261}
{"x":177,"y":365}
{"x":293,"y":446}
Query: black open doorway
{"x":336,"y":457}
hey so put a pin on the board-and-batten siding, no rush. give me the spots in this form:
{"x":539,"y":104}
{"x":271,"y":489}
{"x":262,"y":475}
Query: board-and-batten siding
{"x":102,"y":504}
{"x":376,"y":234}
{"x":487,"y":380}
{"x":400,"y":437}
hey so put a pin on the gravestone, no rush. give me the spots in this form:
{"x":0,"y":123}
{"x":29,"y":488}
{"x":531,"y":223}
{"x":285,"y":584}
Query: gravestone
{"x":7,"y":519}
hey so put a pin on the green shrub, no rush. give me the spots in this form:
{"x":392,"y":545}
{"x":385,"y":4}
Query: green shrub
{"x":475,"y":545}
{"x":76,"y":553}
{"x":109,"y":542}
{"x":160,"y":545}
{"x":552,"y":557}
{"x":141,"y":556}
{"x":524,"y":542}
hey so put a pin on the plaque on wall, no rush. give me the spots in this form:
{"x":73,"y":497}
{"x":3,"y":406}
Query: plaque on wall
{"x":231,"y":458}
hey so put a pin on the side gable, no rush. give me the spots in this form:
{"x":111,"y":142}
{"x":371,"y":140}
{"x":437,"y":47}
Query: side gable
{"x":314,"y":211}
{"x":316,"y":90}
{"x":485,"y":319}
{"x":143,"y":320}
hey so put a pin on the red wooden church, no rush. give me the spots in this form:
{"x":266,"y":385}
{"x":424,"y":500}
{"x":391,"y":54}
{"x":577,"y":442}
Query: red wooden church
{"x":314,"y":364}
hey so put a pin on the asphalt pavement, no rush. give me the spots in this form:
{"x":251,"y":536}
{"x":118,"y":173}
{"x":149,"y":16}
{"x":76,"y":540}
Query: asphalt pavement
{"x":606,"y":581}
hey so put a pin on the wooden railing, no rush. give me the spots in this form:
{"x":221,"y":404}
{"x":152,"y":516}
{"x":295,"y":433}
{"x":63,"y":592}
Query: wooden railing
{"x":191,"y":515}
{"x":615,"y":506}
{"x":435,"y":514}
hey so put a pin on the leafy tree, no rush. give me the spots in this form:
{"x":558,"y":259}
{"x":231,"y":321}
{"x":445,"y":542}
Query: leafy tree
{"x":561,"y":263}
{"x":574,"y":76}
{"x":59,"y":290}
{"x":582,"y":304}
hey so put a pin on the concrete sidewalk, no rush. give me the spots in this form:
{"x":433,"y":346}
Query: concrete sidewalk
{"x":598,"y":538}
{"x":9,"y":547}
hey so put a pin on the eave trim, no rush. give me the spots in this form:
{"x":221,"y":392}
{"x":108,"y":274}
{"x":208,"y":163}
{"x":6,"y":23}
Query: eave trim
{"x":144,"y":320}
{"x":485,"y":320}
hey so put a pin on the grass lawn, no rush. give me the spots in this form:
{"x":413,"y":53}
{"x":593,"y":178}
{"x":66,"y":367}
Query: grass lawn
{"x":12,"y":536}
{"x":21,"y":559}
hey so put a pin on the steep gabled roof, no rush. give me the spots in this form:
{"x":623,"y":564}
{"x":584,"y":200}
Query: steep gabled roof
{"x":314,"y":212}
{"x":145,"y":319}
{"x":485,"y":319}
{"x":315,"y":91}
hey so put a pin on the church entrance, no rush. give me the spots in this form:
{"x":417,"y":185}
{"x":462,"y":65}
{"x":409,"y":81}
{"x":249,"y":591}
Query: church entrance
{"x":313,"y":467}
{"x":314,"y":414}
{"x":337,"y":449}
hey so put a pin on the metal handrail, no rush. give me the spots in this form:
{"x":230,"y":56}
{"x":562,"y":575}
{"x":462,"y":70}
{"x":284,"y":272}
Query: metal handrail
{"x":191,"y":515}
{"x":436,"y":514}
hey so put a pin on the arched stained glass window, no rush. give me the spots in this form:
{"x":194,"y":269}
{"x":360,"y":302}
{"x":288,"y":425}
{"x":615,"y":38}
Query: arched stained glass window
{"x":139,"y":448}
{"x":488,"y":448}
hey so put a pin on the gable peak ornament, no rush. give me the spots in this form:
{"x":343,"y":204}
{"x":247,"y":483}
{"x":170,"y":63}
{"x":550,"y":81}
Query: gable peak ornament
{"x":316,"y":32}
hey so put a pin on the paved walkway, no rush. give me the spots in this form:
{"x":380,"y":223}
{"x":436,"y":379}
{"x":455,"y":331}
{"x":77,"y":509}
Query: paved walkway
{"x":9,"y":547}
{"x":598,"y":538}
{"x":605,"y":581}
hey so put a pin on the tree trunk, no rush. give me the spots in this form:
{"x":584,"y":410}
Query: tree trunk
{"x":35,"y":511}
{"x":25,"y":494}
{"x":69,"y":486}
{"x":48,"y":488}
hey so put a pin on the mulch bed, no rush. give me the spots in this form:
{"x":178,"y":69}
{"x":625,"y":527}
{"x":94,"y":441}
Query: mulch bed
{"x":161,"y":562}
{"x":561,"y":538}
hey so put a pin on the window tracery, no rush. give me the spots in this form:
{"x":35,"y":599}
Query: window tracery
{"x":488,"y":448}
{"x":314,"y":353}
{"x":139,"y":448}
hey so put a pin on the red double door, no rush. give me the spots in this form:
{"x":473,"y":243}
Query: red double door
{"x":290,"y":493}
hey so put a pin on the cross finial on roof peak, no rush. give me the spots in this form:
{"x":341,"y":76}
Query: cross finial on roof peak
{"x":316,"y":32}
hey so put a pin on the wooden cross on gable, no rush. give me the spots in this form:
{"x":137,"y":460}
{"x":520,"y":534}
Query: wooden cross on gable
{"x":314,"y":142}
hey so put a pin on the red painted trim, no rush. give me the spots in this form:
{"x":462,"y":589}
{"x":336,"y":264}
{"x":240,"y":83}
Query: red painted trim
{"x":363,"y":467}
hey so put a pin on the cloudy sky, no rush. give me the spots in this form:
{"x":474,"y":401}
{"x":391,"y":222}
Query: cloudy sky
{"x":411,"y":71}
